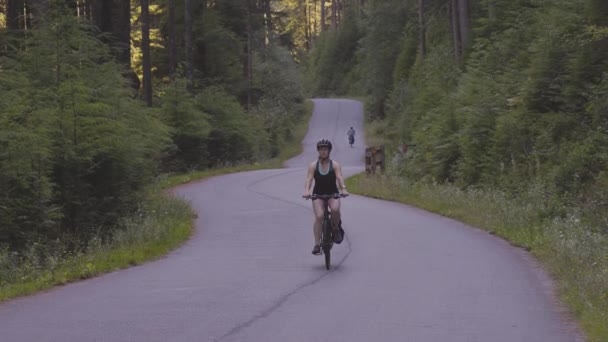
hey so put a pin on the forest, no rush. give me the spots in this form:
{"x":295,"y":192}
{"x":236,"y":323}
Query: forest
{"x":100,"y":98}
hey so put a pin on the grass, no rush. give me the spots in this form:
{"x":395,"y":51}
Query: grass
{"x":161,"y":224}
{"x":575,"y":257}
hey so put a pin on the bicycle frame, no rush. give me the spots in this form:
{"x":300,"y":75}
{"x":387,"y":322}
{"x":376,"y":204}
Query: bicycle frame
{"x":326,"y":228}
{"x":327,"y":241}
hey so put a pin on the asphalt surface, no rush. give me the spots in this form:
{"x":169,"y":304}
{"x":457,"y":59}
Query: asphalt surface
{"x":247,"y":274}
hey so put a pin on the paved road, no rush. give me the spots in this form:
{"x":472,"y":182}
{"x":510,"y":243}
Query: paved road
{"x":247,"y":274}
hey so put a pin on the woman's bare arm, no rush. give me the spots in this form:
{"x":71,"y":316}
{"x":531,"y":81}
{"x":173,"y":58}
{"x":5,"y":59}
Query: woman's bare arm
{"x":309,"y":177}
{"x":340,"y":178}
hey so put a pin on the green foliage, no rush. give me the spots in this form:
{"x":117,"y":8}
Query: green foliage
{"x":407,"y":56}
{"x":380,"y":46}
{"x":157,"y":226}
{"x":232,"y":137}
{"x":332,"y":59}
{"x":318,"y":72}
{"x":220,"y":52}
{"x":280,"y":103}
{"x":25,"y":164}
{"x":190,"y":129}
{"x":514,"y":112}
{"x":78,"y":147}
{"x":597,"y":11}
{"x":292,"y":27}
{"x":277,"y":76}
{"x":211,"y":127}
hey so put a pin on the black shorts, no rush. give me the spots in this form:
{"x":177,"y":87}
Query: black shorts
{"x":337,"y":196}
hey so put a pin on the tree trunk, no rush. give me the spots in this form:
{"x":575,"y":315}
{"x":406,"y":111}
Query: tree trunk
{"x":188,"y":43}
{"x":322,"y":16}
{"x":72,"y":4}
{"x":307,"y":27}
{"x":248,"y":62}
{"x":36,"y":10}
{"x":80,"y":9}
{"x":491,"y":10}
{"x":455,"y":31}
{"x":339,"y":3}
{"x":313,"y":26}
{"x":334,"y":17}
{"x":172,"y":49}
{"x":421,"y":28}
{"x":268,"y":21}
{"x":14,"y":14}
{"x":114,"y":17}
{"x":85,"y":9}
{"x":465,"y":26}
{"x":145,"y":49}
{"x":4,"y":11}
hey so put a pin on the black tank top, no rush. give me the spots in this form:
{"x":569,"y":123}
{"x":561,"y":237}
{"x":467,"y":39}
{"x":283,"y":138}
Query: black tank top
{"x":325,"y":184}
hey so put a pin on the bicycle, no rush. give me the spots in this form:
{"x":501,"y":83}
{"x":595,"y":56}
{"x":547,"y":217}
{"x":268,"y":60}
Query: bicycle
{"x":327,"y":240}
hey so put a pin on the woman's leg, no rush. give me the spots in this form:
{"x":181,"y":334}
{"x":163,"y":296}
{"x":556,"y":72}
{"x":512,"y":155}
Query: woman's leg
{"x":317,"y":207}
{"x":334,"y":205}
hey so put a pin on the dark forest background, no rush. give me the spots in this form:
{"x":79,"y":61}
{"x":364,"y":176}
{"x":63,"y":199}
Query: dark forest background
{"x":98,"y":98}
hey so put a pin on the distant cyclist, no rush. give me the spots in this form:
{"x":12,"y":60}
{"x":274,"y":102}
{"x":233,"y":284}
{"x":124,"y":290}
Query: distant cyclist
{"x":327,"y":175}
{"x":351,"y":136}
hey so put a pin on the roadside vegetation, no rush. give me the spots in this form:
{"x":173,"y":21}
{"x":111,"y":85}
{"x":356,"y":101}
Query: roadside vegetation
{"x":574,"y":255}
{"x":506,"y":102}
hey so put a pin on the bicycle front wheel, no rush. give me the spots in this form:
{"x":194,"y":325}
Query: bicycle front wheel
{"x":327,"y":253}
{"x":326,"y":242}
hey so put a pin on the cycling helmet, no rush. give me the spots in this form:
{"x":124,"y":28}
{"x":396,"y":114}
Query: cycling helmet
{"x":324,"y":143}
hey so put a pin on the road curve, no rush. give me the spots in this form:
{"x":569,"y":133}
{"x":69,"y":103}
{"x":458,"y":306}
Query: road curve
{"x":247,"y":274}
